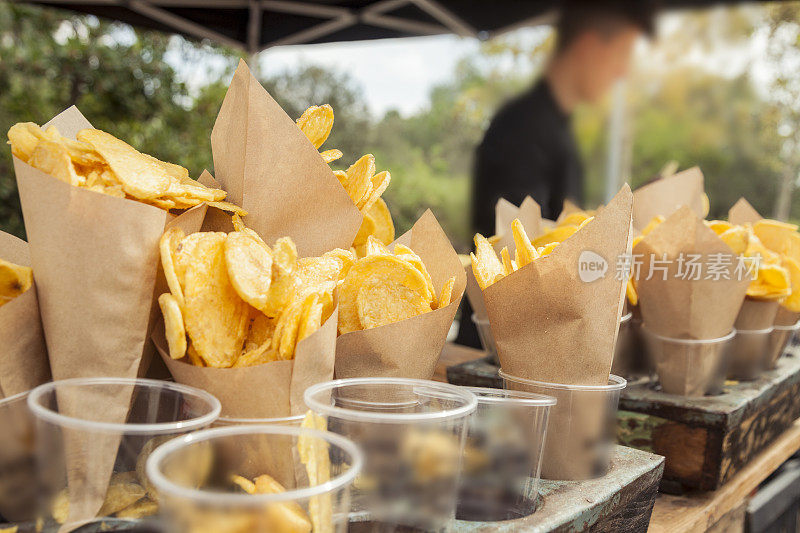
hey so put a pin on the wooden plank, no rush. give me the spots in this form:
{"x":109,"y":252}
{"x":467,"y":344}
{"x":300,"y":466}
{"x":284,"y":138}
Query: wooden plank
{"x":620,"y":501}
{"x":699,"y":511}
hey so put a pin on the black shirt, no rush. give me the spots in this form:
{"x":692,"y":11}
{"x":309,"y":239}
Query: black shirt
{"x":529,"y":149}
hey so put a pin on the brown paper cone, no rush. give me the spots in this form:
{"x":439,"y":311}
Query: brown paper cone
{"x":784,"y":317}
{"x":529,"y":214}
{"x":743,"y":213}
{"x":551,"y":326}
{"x":267,"y":165}
{"x":23,"y":353}
{"x":664,"y":196}
{"x":688,"y":370}
{"x":409,"y":348}
{"x":687,"y":308}
{"x":95,"y":259}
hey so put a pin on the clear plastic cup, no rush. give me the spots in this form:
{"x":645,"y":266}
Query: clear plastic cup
{"x":412,"y":434}
{"x":225,"y":421}
{"x":18,"y":491}
{"x":689,"y":367}
{"x":93,"y":436}
{"x":196,"y":476}
{"x":582,"y":425}
{"x":778,"y":340}
{"x":624,"y":363}
{"x":487,"y":339}
{"x":749,"y":351}
{"x":503,"y":455}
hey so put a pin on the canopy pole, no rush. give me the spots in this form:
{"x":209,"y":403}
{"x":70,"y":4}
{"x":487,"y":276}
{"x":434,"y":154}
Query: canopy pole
{"x":616,"y":141}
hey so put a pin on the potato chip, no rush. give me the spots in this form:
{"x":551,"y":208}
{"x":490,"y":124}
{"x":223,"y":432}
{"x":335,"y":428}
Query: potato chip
{"x":446,"y":295}
{"x":792,"y":302}
{"x":737,"y":238}
{"x":314,"y":454}
{"x":23,"y":139}
{"x":329,"y":156}
{"x":249,"y":265}
{"x":285,"y":337}
{"x":485,"y":264}
{"x":194,"y":357}
{"x":380,"y":182}
{"x":382,"y":218}
{"x":774,"y":234}
{"x":341,"y":175}
{"x":505,"y":257}
{"x":243,"y":483}
{"x":168,"y":246}
{"x":575,"y":219}
{"x":313,"y":272}
{"x":139,"y":175}
{"x":316,"y":123}
{"x":52,"y":158}
{"x":631,"y":293}
{"x":284,"y":517}
{"x":215,"y":317}
{"x":257,"y":355}
{"x":654,"y":222}
{"x":559,"y":234}
{"x":407,"y":254}
{"x":527,"y":252}
{"x":311,"y":317}
{"x":14,"y":280}
{"x":772,"y":283}
{"x":366,"y":229}
{"x":379,"y":303}
{"x":547,"y":248}
{"x":718,"y":226}
{"x":381,"y":269}
{"x":359,"y":178}
{"x":376,"y":247}
{"x":173,"y":325}
{"x":346,"y":257}
{"x":284,"y":282}
{"x":229,"y":207}
{"x":141,"y":509}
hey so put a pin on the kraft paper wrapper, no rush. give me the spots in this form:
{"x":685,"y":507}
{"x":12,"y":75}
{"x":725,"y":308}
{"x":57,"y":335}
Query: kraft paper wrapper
{"x":95,"y":259}
{"x":549,"y":325}
{"x":756,"y":314}
{"x":749,"y":351}
{"x":688,"y":370}
{"x":784,"y":317}
{"x":742,"y":213}
{"x":664,"y":196}
{"x":268,"y":166}
{"x":685,"y":308}
{"x":23,"y":353}
{"x":529,"y":214}
{"x":409,"y":348}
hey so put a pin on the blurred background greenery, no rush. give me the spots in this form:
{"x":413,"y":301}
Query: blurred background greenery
{"x":740,"y":122}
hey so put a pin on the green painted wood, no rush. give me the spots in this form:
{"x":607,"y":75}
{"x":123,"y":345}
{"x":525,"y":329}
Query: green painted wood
{"x":620,"y":501}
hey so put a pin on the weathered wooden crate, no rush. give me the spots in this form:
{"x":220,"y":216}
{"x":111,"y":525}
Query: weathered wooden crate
{"x":478,"y":373}
{"x":621,"y":501}
{"x":707,"y":440}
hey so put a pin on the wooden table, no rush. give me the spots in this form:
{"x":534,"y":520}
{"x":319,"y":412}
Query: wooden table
{"x":722,"y":509}
{"x":454,"y":354}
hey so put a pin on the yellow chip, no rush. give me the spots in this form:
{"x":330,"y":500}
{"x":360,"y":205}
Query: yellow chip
{"x":23,"y":138}
{"x":316,"y":123}
{"x":382,"y":218}
{"x":285,"y":338}
{"x":359,"y":178}
{"x":141,"y":509}
{"x":243,"y":483}
{"x":792,"y":302}
{"x":215,"y":317}
{"x":718,"y":226}
{"x":526,"y":250}
{"x":119,"y":496}
{"x":366,"y":229}
{"x":375,"y":269}
{"x":575,"y":219}
{"x":14,"y":280}
{"x":446,"y":295}
{"x":508,"y":265}
{"x":329,"y":156}
{"x":312,"y":272}
{"x":380,"y":303}
{"x":376,"y":247}
{"x":52,"y":158}
{"x":173,"y":325}
{"x":284,"y":281}
{"x":311,"y":317}
{"x":559,"y":234}
{"x":257,"y":356}
{"x":229,"y":207}
{"x":407,"y":254}
{"x":262,"y":328}
{"x":139,"y":175}
{"x":774,"y":235}
{"x":485,"y":264}
{"x":380,"y":182}
{"x":630,"y":292}
{"x":737,"y":238}
{"x":346,"y":257}
{"x":771,"y":283}
{"x":547,"y":248}
{"x":284,"y":517}
{"x":168,"y":246}
{"x":249,"y":265}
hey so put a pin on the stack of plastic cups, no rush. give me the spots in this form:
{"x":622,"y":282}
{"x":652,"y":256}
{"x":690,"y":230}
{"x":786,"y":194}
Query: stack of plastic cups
{"x":18,"y":494}
{"x":227,"y":421}
{"x":255,"y":479}
{"x":749,"y":352}
{"x":93,"y":437}
{"x":412,"y":435}
{"x":689,"y":367}
{"x":503,"y":455}
{"x":487,"y":339}
{"x":582,"y":426}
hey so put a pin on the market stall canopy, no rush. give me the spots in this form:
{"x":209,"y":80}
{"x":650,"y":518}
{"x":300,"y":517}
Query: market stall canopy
{"x":254,"y":25}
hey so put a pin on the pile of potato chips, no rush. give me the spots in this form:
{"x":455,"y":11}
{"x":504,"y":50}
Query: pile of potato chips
{"x":14,"y":280}
{"x":488,"y":268}
{"x":239,"y":301}
{"x":100,"y":162}
{"x":360,"y":180}
{"x":282,"y":516}
{"x":126,"y":497}
{"x":384,"y":287}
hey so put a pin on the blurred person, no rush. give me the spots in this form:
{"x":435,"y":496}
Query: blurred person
{"x":529,"y":147}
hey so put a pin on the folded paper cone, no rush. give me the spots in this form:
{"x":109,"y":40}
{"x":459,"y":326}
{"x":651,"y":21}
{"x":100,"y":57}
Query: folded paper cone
{"x":625,"y":362}
{"x":756,"y":314}
{"x":581,"y":426}
{"x":689,"y":367}
{"x":742,"y":213}
{"x":674,"y":301}
{"x":409,"y":348}
{"x":23,"y":353}
{"x":784,"y":317}
{"x":664,"y":196}
{"x":95,"y":260}
{"x":269,"y":167}
{"x":551,"y":325}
